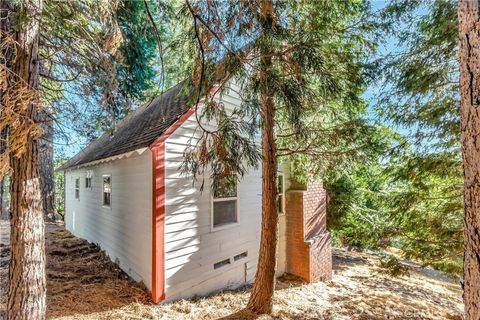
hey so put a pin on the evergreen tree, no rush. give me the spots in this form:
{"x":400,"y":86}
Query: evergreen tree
{"x":358,"y":206}
{"x":108,"y":71}
{"x":420,"y":96}
{"x":49,"y":48}
{"x":124,"y":79}
{"x":20,"y":105}
{"x":128,"y":78}
{"x":292,"y":61}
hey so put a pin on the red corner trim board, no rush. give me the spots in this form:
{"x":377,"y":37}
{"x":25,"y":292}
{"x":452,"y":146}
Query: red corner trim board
{"x":158,"y":204}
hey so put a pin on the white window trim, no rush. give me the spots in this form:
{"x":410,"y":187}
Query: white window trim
{"x":75,"y":188}
{"x":282,"y":213}
{"x":228,"y":225}
{"x":111,"y":189}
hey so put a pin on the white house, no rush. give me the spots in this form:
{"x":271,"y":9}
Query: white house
{"x":125,"y":193}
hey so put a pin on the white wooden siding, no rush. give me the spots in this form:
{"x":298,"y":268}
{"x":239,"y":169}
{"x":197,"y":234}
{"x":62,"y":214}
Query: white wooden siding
{"x":124,"y":230}
{"x":191,"y":246}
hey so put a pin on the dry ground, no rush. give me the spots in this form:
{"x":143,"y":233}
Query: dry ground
{"x":84,"y":284}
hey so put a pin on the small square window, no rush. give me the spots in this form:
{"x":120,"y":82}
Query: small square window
{"x":77,"y":188}
{"x":225,"y":202}
{"x":224,"y":212}
{"x":107,"y":191}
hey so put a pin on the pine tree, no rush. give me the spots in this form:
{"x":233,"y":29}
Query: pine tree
{"x":420,"y":98}
{"x":289,"y":58}
{"x":19,"y":79}
{"x":40,"y":63}
{"x":108,"y":70}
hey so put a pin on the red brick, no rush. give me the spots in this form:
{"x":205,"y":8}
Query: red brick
{"x":309,"y":252}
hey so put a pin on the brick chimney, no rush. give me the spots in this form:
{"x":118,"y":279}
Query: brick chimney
{"x":308,"y":247}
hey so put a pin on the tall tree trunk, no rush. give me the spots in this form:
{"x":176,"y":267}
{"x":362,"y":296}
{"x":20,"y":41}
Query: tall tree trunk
{"x":469,"y":20}
{"x":26,"y":290}
{"x":262,"y":293}
{"x":47,"y":177}
{"x":27,"y":285}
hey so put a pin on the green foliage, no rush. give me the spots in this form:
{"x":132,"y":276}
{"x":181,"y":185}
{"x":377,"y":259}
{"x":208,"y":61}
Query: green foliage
{"x":394,"y":266}
{"x":427,"y":205}
{"x":414,"y":195}
{"x":315,"y":76}
{"x":421,"y":92}
{"x":138,"y":51}
{"x":422,"y":95}
{"x":358,"y":206}
{"x":129,"y":77}
{"x":98,"y":63}
{"x":412,"y":198}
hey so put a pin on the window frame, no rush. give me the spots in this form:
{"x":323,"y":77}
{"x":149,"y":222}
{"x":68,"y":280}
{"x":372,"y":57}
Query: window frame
{"x":87,"y":186}
{"x":76,"y":188}
{"x":213,"y":200}
{"x":282,"y":211}
{"x":109,"y":206}
{"x":89,"y":176}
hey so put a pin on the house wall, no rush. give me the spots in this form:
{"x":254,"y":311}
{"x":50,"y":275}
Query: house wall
{"x":124,"y":230}
{"x":192,"y":246}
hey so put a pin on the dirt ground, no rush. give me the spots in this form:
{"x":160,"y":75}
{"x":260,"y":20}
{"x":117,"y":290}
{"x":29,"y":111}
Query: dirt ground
{"x":83,"y":284}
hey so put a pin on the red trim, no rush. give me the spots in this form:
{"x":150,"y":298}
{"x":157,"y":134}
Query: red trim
{"x":158,"y":204}
{"x":158,"y":210}
{"x":158,"y":223}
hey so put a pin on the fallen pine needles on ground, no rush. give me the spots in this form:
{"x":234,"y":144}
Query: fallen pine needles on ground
{"x":82,"y":283}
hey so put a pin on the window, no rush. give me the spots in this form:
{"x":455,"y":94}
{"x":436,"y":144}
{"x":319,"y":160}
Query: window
{"x":77,"y":188}
{"x":88,"y":180}
{"x":280,"y":194}
{"x":225,"y":202}
{"x":107,"y":190}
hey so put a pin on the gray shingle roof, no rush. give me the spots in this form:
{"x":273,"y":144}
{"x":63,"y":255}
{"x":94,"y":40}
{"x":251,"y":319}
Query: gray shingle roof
{"x":138,"y":130}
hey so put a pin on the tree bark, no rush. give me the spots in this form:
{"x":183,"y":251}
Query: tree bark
{"x":47,"y":177}
{"x":262,"y":293}
{"x":26,"y":290}
{"x":27,"y":283}
{"x":469,"y":28}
